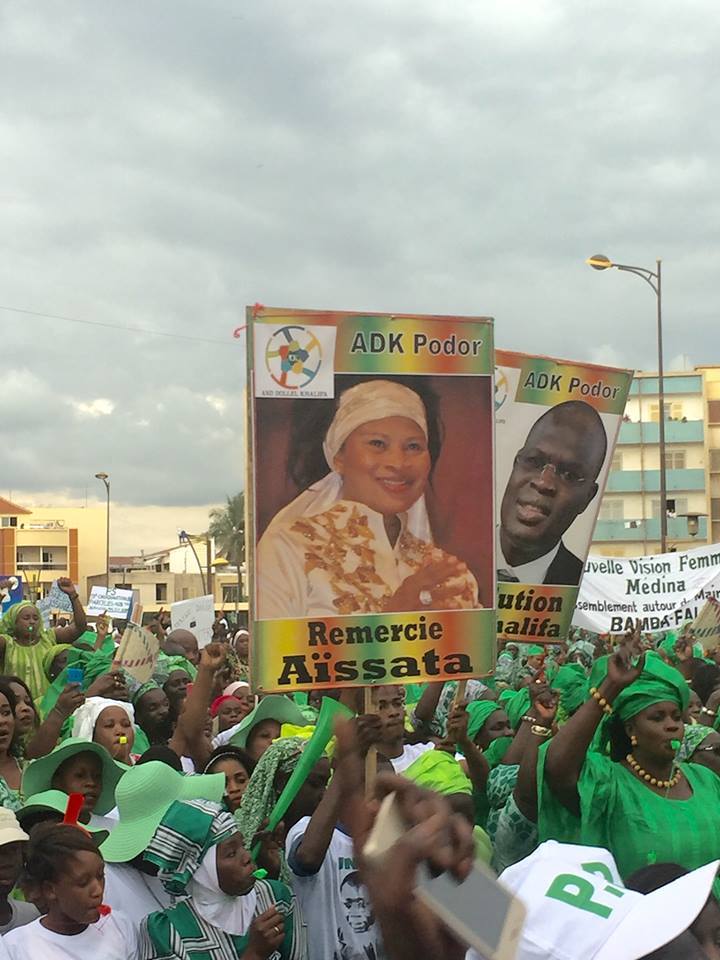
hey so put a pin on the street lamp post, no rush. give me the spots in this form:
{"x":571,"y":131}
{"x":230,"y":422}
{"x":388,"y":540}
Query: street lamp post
{"x":185,"y":537}
{"x":106,"y":480}
{"x":654,"y":279}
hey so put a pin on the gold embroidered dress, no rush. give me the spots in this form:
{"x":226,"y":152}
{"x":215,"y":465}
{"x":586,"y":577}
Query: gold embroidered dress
{"x":340,"y":562}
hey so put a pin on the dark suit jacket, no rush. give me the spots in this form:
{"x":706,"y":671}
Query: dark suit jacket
{"x":566,"y":568}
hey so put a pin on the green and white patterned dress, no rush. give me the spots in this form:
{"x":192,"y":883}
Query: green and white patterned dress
{"x":180,"y":933}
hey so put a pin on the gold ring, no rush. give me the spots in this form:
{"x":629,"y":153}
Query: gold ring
{"x":277,"y":930}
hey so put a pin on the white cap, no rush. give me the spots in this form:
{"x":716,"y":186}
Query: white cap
{"x":578,"y":908}
{"x":10,"y":829}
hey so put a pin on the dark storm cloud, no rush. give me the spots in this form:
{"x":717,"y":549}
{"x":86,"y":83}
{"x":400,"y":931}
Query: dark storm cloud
{"x":165,"y":163}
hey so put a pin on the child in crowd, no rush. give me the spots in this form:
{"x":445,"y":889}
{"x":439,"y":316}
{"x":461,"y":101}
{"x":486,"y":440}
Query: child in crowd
{"x":67,"y":873}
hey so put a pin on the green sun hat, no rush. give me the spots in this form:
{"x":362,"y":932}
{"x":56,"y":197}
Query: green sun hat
{"x":274,"y":707}
{"x":39,"y":774}
{"x":144,"y":795}
{"x":54,"y":800}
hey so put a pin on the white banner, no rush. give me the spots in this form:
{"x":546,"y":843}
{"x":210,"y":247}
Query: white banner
{"x":662,"y":591}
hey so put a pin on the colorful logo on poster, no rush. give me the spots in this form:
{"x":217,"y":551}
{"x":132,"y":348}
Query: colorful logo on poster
{"x":293,"y":357}
{"x":501,"y":388}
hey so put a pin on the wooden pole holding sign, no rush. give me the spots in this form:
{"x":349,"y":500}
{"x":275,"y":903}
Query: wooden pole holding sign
{"x":371,"y":756}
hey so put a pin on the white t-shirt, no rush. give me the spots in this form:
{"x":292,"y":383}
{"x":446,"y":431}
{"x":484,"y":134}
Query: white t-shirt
{"x":134,"y":893}
{"x":111,"y":938}
{"x":410,"y":753}
{"x":338,"y":915}
{"x":20,"y":914}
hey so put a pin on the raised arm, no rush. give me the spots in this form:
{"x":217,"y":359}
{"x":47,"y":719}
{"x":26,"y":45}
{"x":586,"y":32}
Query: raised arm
{"x":566,"y":753}
{"x":533,"y":735}
{"x":72,"y":631}
{"x":189,"y":738}
{"x":48,"y":733}
{"x":478,"y":767}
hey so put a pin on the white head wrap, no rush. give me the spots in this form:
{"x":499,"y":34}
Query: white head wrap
{"x":231,"y":914}
{"x":367,"y":401}
{"x":86,"y":716}
{"x":370,"y":400}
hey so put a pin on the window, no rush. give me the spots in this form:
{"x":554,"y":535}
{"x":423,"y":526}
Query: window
{"x":674,"y":459}
{"x":715,"y":508}
{"x":160,"y":593}
{"x":47,"y":556}
{"x":675,"y":506}
{"x":230,"y":593}
{"x":612,"y":509}
{"x":185,"y":593}
{"x":617,"y":460}
{"x":715,"y":461}
{"x":673,"y":410}
{"x":9,"y":521}
{"x":714,"y":411}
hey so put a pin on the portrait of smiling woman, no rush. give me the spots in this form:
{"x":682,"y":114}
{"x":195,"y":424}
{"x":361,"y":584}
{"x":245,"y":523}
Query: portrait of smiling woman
{"x":358,"y":538}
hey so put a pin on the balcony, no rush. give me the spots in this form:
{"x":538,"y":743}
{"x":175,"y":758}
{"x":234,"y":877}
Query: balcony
{"x":34,"y":565}
{"x":636,"y":481}
{"x":648,"y":386}
{"x":676,"y":431}
{"x":615,"y":530}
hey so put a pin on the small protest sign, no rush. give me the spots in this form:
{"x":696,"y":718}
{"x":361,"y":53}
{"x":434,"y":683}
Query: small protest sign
{"x":196,"y":615}
{"x":117,"y":603}
{"x":138,"y":652}
{"x":58,"y":600}
{"x":706,"y":626}
{"x":11,"y":591}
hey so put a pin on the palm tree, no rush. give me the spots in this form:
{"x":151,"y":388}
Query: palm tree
{"x":227,"y":528}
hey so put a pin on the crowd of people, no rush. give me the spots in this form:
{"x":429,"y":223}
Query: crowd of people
{"x":136,"y":819}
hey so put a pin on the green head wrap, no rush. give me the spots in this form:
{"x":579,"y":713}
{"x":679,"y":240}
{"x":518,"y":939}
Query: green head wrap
{"x":572,"y":685}
{"x":505,"y":696}
{"x":534,"y":650}
{"x":439,"y":771}
{"x":142,"y":690}
{"x":54,"y":651}
{"x":167,"y":665}
{"x":7,"y":623}
{"x":188,"y":830}
{"x":497,"y":750}
{"x":584,"y":649}
{"x":668,"y":647}
{"x":695,"y":733}
{"x":479,"y":712}
{"x":657,"y":682}
{"x":518,"y":707}
{"x":262,"y":793}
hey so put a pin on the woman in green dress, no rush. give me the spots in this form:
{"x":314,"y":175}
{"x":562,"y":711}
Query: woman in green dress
{"x":640,"y":802}
{"x":199,"y":854}
{"x":25,"y":641}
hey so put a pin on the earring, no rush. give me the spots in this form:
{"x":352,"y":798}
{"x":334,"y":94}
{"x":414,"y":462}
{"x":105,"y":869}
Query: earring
{"x":633,"y":740}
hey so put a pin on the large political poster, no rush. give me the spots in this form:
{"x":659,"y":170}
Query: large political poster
{"x":371,"y":515}
{"x":663,"y":591}
{"x":556,"y":426}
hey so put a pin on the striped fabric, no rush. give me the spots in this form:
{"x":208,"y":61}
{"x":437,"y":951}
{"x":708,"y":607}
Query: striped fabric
{"x":180,"y":933}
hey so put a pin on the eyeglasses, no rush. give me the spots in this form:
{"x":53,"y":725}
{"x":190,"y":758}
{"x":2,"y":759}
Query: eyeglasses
{"x":538,"y":463}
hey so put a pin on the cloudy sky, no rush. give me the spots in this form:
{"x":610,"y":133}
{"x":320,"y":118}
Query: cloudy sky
{"x":165,"y":162}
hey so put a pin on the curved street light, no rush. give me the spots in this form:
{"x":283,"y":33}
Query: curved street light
{"x":654,"y":279}
{"x":106,"y":480}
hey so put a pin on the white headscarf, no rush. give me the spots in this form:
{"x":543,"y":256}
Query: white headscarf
{"x":366,"y":401}
{"x":231,"y":914}
{"x":86,"y":716}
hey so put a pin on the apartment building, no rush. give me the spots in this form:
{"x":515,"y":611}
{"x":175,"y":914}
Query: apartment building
{"x":629,"y":518}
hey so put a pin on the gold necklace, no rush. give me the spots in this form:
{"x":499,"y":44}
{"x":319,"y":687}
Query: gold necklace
{"x":648,"y":778}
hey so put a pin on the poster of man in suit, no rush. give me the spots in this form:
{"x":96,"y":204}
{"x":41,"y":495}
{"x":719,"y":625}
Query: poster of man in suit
{"x":556,"y":426}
